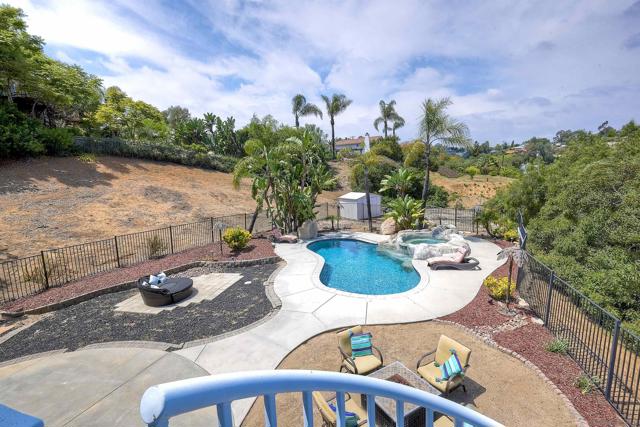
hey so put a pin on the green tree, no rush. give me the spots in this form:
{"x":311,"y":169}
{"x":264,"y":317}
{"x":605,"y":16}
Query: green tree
{"x":335,"y":105}
{"x":301,"y":108}
{"x":388,"y":115}
{"x":176,"y":115}
{"x":399,"y":183}
{"x":436,"y":126}
{"x":472,"y":171}
{"x":398,"y":122}
{"x":17,"y":51}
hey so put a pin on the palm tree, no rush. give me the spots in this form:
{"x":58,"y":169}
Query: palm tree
{"x":300,"y":108}
{"x":387,"y":114}
{"x":335,"y":105}
{"x":437,"y":127}
{"x":398,"y":183}
{"x":397,"y":124}
{"x":367,"y":160}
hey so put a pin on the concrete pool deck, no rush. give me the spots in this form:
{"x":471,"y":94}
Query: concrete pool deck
{"x":308,"y":309}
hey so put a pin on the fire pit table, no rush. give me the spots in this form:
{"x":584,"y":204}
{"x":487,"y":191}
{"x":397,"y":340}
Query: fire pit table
{"x":386,"y":408}
{"x":173,"y":290}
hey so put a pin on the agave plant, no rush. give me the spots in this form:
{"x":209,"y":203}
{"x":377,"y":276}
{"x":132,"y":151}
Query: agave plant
{"x":405,"y":211}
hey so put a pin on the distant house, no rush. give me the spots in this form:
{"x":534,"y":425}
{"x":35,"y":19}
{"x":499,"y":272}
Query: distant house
{"x":516,"y":149}
{"x":354,"y":143}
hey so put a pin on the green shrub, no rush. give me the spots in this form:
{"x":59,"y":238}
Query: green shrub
{"x":57,"y":141}
{"x":87,"y":158}
{"x":236,"y":238}
{"x":189,"y":155}
{"x":18,"y":133}
{"x":388,"y":147}
{"x":587,"y":384}
{"x":498,"y":287}
{"x":558,"y":345}
{"x":510,"y":235}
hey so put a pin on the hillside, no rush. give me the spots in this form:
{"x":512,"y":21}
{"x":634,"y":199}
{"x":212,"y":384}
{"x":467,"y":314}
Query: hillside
{"x":54,"y":201}
{"x":474,"y":191}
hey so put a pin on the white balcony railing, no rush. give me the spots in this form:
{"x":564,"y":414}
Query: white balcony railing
{"x":164,"y":401}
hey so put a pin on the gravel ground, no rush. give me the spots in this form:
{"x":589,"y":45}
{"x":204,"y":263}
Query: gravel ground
{"x":257,"y":248}
{"x":528,"y":339}
{"x":530,"y":342}
{"x":94,"y":321}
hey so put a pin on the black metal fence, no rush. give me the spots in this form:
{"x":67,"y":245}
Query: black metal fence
{"x":596,"y":339}
{"x":55,"y":267}
{"x":462,"y":219}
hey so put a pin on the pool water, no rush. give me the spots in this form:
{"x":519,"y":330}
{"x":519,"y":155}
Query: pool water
{"x":428,"y":240}
{"x":358,"y":267}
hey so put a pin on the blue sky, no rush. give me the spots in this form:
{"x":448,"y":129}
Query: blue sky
{"x":514,"y":69}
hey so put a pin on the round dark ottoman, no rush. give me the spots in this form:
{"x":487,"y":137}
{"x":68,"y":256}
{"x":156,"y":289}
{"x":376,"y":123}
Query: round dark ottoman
{"x":173,"y":290}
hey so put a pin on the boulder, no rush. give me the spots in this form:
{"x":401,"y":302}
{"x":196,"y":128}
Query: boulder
{"x":308,"y":230}
{"x":388,"y":226}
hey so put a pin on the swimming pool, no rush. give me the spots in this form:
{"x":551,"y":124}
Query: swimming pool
{"x":358,"y":267}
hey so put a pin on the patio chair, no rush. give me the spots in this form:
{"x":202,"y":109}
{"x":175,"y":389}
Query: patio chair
{"x":361,"y":365}
{"x":432,"y":373}
{"x":329,"y":417}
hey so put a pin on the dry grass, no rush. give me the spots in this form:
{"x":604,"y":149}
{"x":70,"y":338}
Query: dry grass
{"x":474,"y":191}
{"x":52,"y":202}
{"x":499,"y":385}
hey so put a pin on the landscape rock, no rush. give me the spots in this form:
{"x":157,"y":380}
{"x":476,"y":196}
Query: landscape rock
{"x":308,"y":230}
{"x":388,"y":226}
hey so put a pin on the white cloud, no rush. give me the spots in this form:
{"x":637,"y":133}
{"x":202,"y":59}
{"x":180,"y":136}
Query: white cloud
{"x":513,"y":69}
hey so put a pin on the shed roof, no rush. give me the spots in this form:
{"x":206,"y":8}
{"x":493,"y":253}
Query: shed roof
{"x":354,"y":195}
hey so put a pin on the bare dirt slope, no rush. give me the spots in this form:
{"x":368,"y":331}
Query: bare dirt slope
{"x":52,"y":202}
{"x":474,"y":191}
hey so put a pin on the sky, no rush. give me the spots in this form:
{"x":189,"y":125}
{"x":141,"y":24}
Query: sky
{"x":513,"y":69}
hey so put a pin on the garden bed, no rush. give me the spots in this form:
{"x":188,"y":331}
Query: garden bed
{"x":95,"y":321}
{"x":529,"y":339}
{"x":121,"y":278}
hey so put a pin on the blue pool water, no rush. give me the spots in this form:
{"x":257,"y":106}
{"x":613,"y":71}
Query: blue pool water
{"x":355,"y":266}
{"x":429,"y":240}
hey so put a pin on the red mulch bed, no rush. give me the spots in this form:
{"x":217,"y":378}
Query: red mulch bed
{"x":257,"y":248}
{"x":530,"y":342}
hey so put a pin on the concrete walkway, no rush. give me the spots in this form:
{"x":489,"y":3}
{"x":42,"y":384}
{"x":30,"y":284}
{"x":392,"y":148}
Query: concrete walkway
{"x":103,"y":387}
{"x":309,"y":308}
{"x":96,"y":387}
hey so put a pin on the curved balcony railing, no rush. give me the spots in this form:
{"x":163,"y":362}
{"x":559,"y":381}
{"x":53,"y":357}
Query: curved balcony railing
{"x":162,"y":402}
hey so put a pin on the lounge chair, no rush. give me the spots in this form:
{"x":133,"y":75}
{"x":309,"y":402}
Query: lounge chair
{"x":432,"y":373}
{"x":361,"y":365}
{"x":329,"y":417}
{"x":458,"y":260}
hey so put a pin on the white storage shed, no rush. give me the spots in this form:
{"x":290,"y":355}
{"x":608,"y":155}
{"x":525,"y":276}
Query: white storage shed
{"x":354,"y":205}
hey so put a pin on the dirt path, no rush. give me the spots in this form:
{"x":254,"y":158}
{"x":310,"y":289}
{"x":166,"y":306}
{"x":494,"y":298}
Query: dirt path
{"x":51,"y":202}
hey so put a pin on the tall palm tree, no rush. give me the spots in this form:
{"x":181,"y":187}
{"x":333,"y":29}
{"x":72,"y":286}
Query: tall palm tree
{"x":335,"y":105}
{"x":387,"y":114}
{"x":397,"y":124}
{"x":436,"y":126}
{"x":300,"y":108}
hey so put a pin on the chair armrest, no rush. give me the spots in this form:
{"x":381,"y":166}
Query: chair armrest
{"x":349,"y":360}
{"x":347,"y":394}
{"x":424,"y":356}
{"x":379,"y":353}
{"x":362,"y":422}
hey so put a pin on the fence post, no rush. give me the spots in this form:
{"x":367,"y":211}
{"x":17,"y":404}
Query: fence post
{"x":171,"y":237}
{"x":455,"y":216}
{"x":612,"y":359}
{"x":115,"y":239}
{"x":212,"y":232}
{"x":245,"y":220}
{"x":548,"y":306}
{"x":44,"y":269}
